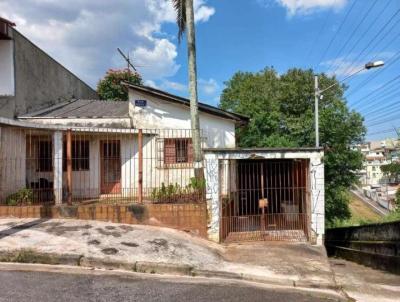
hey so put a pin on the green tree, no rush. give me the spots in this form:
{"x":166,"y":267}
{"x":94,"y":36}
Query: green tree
{"x":281,"y":111}
{"x":111,"y":88}
{"x":392,"y":170}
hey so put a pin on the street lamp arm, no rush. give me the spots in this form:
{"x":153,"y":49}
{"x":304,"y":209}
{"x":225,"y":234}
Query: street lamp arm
{"x":367,"y":66}
{"x":318,"y":92}
{"x":337,"y":83}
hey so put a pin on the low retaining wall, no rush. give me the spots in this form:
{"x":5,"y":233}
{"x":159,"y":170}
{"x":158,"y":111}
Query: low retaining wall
{"x":374,"y":245}
{"x":187,"y":217}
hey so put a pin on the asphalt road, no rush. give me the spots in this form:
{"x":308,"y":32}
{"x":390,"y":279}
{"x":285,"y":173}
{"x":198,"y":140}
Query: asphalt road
{"x":34,"y":286}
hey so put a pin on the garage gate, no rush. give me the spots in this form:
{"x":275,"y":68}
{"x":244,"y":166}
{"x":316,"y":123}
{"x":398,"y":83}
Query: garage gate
{"x":264,"y":199}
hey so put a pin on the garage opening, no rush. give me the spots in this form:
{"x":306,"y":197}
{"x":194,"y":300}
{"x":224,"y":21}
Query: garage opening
{"x":264,"y":199}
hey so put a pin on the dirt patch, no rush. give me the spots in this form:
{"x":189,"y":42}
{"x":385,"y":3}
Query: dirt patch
{"x":85,"y":234}
{"x":61,"y":230}
{"x":109,"y":227}
{"x":126,"y":228}
{"x":109,"y":251}
{"x":106,"y":233}
{"x":94,"y":242}
{"x":130,"y":244}
{"x":158,"y":244}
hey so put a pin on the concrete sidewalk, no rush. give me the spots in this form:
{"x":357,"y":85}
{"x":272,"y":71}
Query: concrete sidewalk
{"x":158,"y":250}
{"x":365,"y":284}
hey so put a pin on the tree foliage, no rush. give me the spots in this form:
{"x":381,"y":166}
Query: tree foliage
{"x":392,"y":169}
{"x":110,"y":87}
{"x":281,"y":111}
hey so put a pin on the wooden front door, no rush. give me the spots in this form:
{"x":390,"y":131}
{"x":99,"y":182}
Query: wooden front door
{"x":110,"y":167}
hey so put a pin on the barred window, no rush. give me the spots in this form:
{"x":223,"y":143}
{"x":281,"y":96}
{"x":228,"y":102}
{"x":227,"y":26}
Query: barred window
{"x":80,"y":155}
{"x":178,"y":150}
{"x":45,"y":154}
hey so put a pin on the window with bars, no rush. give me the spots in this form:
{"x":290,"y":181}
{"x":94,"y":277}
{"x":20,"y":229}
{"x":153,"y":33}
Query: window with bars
{"x":178,"y":150}
{"x":45,"y":154}
{"x":80,"y":155}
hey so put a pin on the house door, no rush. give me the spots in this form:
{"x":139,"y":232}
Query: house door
{"x":110,"y":167}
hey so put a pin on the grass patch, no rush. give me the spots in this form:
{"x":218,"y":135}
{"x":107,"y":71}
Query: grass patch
{"x":362,"y":214}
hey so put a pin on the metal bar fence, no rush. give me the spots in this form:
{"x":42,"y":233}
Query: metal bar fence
{"x":97,"y":165}
{"x":264,"y":200}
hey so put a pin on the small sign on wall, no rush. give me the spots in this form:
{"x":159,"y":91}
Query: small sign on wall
{"x":140,"y":103}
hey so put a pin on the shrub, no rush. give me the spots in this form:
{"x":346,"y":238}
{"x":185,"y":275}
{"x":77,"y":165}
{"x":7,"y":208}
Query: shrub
{"x":23,"y":196}
{"x":175,"y":192}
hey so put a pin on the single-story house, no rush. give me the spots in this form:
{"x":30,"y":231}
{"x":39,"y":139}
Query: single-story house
{"x":141,"y":151}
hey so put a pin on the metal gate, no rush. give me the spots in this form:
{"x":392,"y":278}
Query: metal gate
{"x":264,"y":200}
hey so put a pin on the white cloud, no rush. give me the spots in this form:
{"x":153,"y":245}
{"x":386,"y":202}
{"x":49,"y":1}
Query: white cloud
{"x":83,"y":34}
{"x":158,"y":61}
{"x":209,"y":86}
{"x":170,"y":85}
{"x":302,"y":7}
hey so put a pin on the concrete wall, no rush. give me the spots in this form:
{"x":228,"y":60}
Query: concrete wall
{"x":375,"y":245}
{"x":215,"y":188}
{"x":40,"y":81}
{"x":7,"y":68}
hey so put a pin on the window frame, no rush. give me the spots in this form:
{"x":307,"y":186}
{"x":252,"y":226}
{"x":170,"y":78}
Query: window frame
{"x":179,"y":155}
{"x":44,"y":161}
{"x":81,"y":162}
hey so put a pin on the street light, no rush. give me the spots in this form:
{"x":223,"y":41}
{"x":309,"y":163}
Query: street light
{"x":318,"y":93}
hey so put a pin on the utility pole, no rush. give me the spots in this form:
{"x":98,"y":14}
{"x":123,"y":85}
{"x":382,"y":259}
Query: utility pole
{"x":318,"y":93}
{"x":316,"y":97}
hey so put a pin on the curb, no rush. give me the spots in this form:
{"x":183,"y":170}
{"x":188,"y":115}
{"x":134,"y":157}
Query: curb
{"x":32,"y":256}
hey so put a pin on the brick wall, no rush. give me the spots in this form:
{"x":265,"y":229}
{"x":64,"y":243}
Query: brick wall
{"x":186,"y":217}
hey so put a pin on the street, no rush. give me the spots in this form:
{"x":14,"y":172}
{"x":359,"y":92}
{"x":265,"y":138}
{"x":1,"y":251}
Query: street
{"x":104,"y":286}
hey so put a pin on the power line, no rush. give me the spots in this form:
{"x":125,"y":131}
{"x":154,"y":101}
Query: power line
{"x":390,"y":82}
{"x":375,"y":37}
{"x":381,"y":132}
{"x":391,"y":106}
{"x":369,"y":10}
{"x":380,"y":40}
{"x":337,"y":32}
{"x":381,"y":99}
{"x":393,"y":59}
{"x":387,"y":119}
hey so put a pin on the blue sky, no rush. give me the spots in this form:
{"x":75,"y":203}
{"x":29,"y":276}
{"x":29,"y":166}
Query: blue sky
{"x":232,"y":35}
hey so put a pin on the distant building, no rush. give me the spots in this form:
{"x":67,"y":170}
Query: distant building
{"x":376,"y":154}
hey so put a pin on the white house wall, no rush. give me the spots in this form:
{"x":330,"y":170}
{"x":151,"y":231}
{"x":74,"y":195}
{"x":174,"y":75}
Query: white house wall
{"x":158,"y":114}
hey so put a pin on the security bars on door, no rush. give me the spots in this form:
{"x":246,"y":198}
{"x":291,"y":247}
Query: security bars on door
{"x":264,"y":200}
{"x":99,"y":165}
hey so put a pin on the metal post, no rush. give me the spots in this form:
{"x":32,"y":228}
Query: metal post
{"x":316,"y":96}
{"x":69,"y":166}
{"x":57,"y":166}
{"x":140,"y":174}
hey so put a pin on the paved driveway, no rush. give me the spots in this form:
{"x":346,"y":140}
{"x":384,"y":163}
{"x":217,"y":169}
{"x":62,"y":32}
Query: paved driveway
{"x":284,"y":258}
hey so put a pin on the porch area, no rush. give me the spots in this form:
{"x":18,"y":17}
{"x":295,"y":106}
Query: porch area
{"x":93,"y":165}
